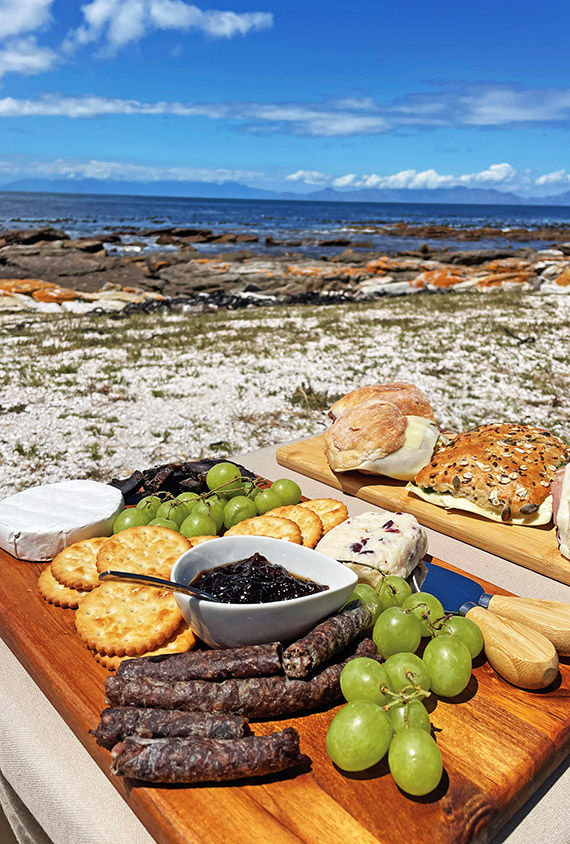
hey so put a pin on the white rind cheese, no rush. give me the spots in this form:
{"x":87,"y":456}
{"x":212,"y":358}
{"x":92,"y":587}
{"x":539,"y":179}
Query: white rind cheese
{"x":39,"y":522}
{"x":405,"y":463}
{"x":451,"y":502}
{"x":380,"y":541}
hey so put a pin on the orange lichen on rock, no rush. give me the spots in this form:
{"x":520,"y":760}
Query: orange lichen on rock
{"x":380,"y":265}
{"x":55,"y":294}
{"x":563,"y":279}
{"x":443,"y":277}
{"x":24,"y":285}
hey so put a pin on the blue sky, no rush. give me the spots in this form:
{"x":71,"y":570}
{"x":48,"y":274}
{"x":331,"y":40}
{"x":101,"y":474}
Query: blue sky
{"x":290,"y":95}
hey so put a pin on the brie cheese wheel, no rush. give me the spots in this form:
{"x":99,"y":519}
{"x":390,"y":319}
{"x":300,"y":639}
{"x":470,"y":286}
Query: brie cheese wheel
{"x":39,"y":522}
{"x":375,"y":543}
{"x":405,"y":463}
{"x":453,"y":502}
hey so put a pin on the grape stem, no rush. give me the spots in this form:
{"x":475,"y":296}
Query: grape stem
{"x":407,"y":694}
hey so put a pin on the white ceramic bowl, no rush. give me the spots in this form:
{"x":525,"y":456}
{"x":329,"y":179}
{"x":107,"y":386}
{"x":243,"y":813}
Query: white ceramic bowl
{"x":232,"y":625}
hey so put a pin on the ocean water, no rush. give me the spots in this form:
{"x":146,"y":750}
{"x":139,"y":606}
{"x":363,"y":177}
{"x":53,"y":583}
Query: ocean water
{"x":82,"y":214}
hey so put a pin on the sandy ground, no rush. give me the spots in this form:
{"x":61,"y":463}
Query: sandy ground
{"x":99,"y":396}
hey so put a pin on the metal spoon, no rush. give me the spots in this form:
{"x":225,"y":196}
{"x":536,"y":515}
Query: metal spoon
{"x":159,"y":583}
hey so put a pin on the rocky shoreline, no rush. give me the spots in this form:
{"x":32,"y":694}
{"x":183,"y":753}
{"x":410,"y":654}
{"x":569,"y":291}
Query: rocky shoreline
{"x":46,"y":270}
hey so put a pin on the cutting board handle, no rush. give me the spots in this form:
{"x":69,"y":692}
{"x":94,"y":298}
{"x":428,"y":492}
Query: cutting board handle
{"x":521,"y":655}
{"x":551,"y":618}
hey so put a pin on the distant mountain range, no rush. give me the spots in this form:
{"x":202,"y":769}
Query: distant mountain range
{"x":235,"y":190}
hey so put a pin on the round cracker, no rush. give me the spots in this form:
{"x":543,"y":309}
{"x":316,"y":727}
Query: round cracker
{"x":147,"y":549}
{"x":274,"y":526}
{"x":308,"y":521}
{"x":56,"y":593}
{"x":119,"y":618}
{"x":330,"y":511}
{"x":182,"y":640}
{"x":76,"y":565}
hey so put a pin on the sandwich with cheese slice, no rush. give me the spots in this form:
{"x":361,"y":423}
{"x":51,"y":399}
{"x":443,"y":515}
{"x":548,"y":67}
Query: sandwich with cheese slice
{"x":503,"y":472}
{"x":376,"y":437}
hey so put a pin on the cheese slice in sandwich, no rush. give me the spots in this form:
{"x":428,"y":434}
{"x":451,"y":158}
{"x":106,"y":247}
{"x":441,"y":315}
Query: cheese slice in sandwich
{"x":503,"y":472}
{"x":377,"y":438}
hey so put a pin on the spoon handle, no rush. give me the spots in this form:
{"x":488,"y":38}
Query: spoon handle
{"x":158,"y":582}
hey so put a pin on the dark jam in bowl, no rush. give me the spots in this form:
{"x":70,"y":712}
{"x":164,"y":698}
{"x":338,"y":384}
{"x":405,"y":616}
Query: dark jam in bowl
{"x":254,"y":581}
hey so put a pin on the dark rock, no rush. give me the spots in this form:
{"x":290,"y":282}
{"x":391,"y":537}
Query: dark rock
{"x":247,"y":238}
{"x":479,"y":256}
{"x":339,"y":241}
{"x":31,"y":236}
{"x":85,"y":244}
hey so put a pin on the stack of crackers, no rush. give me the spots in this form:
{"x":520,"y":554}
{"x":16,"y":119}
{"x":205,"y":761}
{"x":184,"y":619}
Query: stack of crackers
{"x":121,"y":620}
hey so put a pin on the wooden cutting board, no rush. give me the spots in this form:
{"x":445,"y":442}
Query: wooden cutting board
{"x":534,"y":548}
{"x":498,"y":745}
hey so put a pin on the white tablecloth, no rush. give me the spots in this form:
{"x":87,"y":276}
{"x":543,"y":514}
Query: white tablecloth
{"x":51,"y":789}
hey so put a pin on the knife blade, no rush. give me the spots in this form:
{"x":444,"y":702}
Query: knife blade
{"x":551,"y":618}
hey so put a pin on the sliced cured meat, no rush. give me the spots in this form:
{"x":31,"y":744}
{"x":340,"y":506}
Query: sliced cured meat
{"x":326,"y":640}
{"x":178,"y":760}
{"x":117,"y":724}
{"x":219,"y":664}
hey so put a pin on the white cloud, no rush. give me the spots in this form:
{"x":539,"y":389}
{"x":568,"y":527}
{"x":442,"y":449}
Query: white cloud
{"x":556,"y":177}
{"x":498,"y":176}
{"x":120,"y":22}
{"x":18,"y":16}
{"x":25,"y":56}
{"x":309,"y":177}
{"x":123,"y":171}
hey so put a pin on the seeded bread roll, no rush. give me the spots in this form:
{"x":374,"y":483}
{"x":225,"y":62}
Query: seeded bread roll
{"x":408,"y":398}
{"x":503,"y":472}
{"x":377,"y":438}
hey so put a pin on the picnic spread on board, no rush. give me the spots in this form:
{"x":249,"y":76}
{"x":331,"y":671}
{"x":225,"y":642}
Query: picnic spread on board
{"x":431,"y":665}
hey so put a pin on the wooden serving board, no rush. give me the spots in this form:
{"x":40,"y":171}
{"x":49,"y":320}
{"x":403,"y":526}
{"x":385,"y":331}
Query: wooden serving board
{"x":498,"y":745}
{"x":534,"y":548}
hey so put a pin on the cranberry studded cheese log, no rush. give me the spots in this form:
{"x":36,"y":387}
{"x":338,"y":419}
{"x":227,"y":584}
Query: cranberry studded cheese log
{"x":503,"y":472}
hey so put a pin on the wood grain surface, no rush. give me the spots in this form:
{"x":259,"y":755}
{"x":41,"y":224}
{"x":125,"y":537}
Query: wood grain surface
{"x":498,"y":744}
{"x":534,"y":548}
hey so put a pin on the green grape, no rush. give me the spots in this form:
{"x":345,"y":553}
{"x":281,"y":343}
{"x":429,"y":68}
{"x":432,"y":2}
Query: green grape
{"x":166,"y":523}
{"x":174,"y":510}
{"x":409,"y":716}
{"x":396,"y":631}
{"x":466,"y":631}
{"x":362,"y":679}
{"x":198,"y":507}
{"x":186,"y":497}
{"x":406,"y":669}
{"x":415,"y":761}
{"x":225,"y":475}
{"x":393,"y":591}
{"x":288,"y":491}
{"x":237,"y":509}
{"x":427,"y":609}
{"x":449,"y":664}
{"x":367,"y":596}
{"x":216,"y":507}
{"x":267,"y":500}
{"x":358,"y":736}
{"x":196,"y":524}
{"x":130,"y":518}
{"x":149,"y":505}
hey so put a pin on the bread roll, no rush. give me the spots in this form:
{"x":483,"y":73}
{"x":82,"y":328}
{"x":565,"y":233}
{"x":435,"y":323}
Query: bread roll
{"x":407,"y":397}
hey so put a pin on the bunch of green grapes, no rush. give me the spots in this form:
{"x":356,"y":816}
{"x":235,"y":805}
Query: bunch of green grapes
{"x":230,"y":499}
{"x":385,"y":712}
